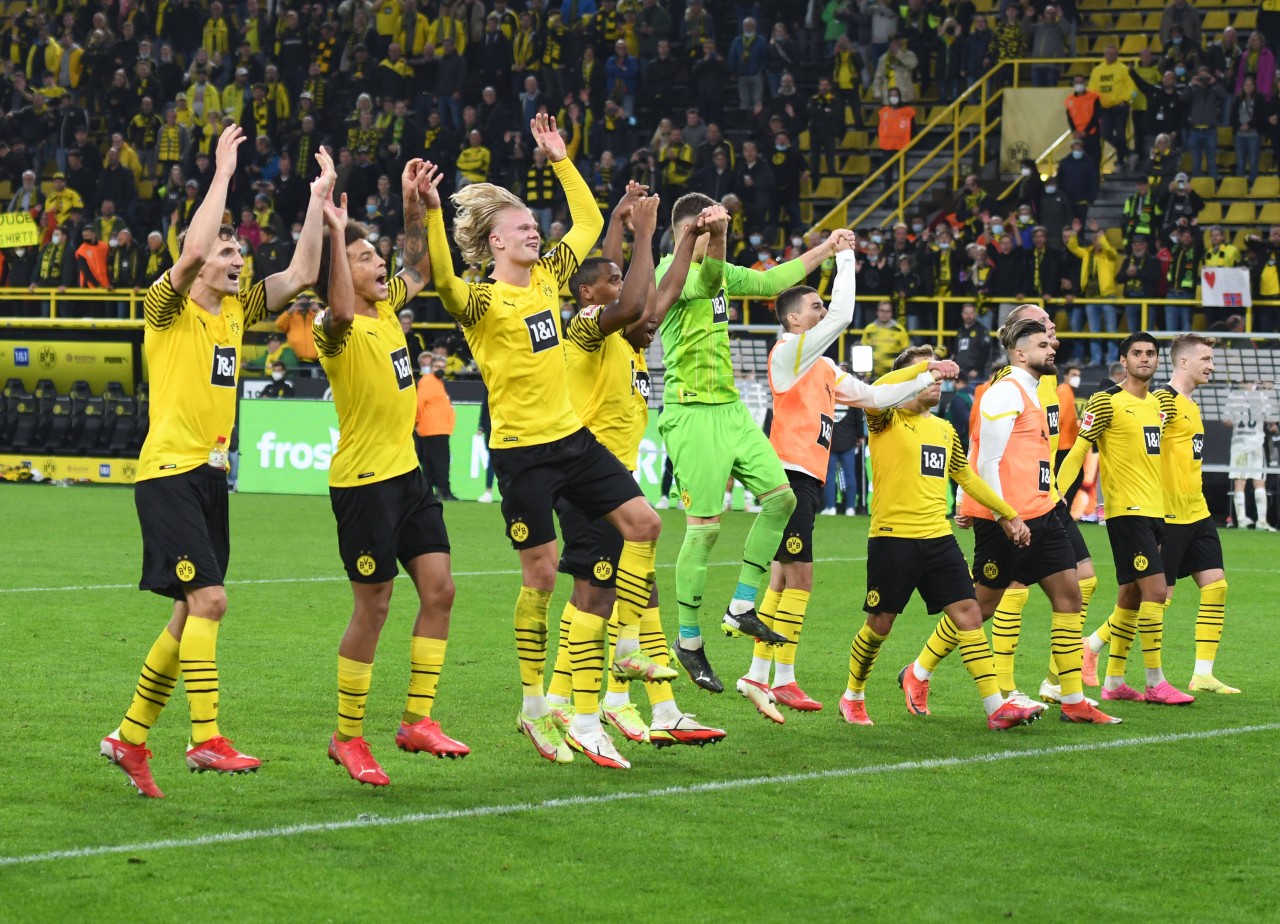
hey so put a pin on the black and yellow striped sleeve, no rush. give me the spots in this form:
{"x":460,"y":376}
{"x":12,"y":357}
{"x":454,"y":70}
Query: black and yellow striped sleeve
{"x":1168,"y":407}
{"x":561,"y":263}
{"x":466,"y":303}
{"x":162,"y":304}
{"x":1003,"y":373}
{"x":1097,"y":416}
{"x":584,"y":329}
{"x":254,"y":303}
{"x":325,"y":345}
{"x":879,"y":421}
{"x":397,"y":293}
{"x":957,"y":459}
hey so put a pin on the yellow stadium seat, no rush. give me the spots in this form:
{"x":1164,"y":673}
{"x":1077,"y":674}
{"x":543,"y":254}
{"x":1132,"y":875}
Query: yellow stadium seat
{"x":1246,"y":21}
{"x":1133,"y":44}
{"x":1266,"y":187}
{"x":1127,"y":22}
{"x":1151,"y":4}
{"x":1151,"y":23}
{"x":1225,"y":138}
{"x":829,"y":187}
{"x":1202,"y":186}
{"x":857,"y":166}
{"x":1239,"y":213}
{"x":1101,"y":42}
{"x":806,"y":213}
{"x":803,"y":141}
{"x":1211,"y":214}
{"x":855,"y":141}
{"x":1270,"y":214}
{"x":1215,"y":21}
{"x":1233,"y":187}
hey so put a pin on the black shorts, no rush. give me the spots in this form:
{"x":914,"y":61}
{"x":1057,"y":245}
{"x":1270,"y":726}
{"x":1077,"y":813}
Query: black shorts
{"x":398,"y":518}
{"x":997,"y":562}
{"x":1190,"y":548}
{"x":1074,"y":536}
{"x":591,"y":547}
{"x":1135,"y":547}
{"x":797,"y":538}
{"x":577,"y":468}
{"x":896,"y":567}
{"x":186,"y":542}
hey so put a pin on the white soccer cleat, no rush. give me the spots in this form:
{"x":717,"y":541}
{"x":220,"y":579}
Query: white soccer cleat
{"x":1023,"y":701}
{"x":1052,"y":693}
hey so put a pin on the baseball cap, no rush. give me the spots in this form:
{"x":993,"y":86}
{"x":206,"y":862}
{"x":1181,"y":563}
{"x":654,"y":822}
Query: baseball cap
{"x":193,"y":183}
{"x":59,"y":176}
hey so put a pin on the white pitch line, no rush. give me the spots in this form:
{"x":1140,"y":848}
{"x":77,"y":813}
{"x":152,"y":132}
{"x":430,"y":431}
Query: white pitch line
{"x":483,"y":811}
{"x":338,"y":577}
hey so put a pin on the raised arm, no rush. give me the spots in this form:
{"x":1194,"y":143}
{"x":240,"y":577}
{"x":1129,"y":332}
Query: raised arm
{"x":794,"y":357}
{"x":674,"y":280}
{"x":892,"y":388}
{"x":203,"y":230}
{"x":630,"y":306}
{"x":416,"y":271}
{"x":583,"y":211}
{"x":611,"y":249}
{"x":453,"y":291}
{"x":302,"y":270}
{"x":342,"y":296}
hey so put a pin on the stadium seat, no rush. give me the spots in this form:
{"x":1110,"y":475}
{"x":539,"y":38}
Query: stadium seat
{"x":1246,"y":21}
{"x":828,"y":187}
{"x":1240,"y":213}
{"x":1211,"y":214}
{"x":142,"y":415}
{"x":1265,"y":187}
{"x":1202,"y":186}
{"x":1125,"y":22}
{"x":59,"y":424}
{"x":1270,"y":213}
{"x":1233,"y":187}
{"x":26,"y":420}
{"x":123,"y":411}
{"x":87,"y":427}
{"x":1133,"y":43}
{"x":1151,"y":23}
{"x":1215,"y":21}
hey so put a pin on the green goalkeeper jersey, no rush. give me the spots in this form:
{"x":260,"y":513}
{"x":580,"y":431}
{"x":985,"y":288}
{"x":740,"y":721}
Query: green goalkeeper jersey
{"x":695,"y":332}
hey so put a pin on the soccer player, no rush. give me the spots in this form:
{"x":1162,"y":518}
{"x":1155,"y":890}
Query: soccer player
{"x":1014,"y":456}
{"x":1006,"y":627}
{"x":1249,"y":459}
{"x":380,"y":498}
{"x":711,"y":436}
{"x":195,"y":323}
{"x":806,"y":387}
{"x":539,"y":448}
{"x":911,"y":547}
{"x":607,"y":379}
{"x":1126,"y":422}
{"x":1191,"y":545}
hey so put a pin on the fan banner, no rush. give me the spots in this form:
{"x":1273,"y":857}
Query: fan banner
{"x":1224,"y":287}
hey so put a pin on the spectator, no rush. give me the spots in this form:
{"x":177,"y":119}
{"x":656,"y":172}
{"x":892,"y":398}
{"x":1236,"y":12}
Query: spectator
{"x":296,"y":324}
{"x":1162,"y":164}
{"x":950,"y":60}
{"x":789,"y":171}
{"x":1142,"y":212}
{"x":977,"y":57}
{"x":1249,"y":110}
{"x":1068,"y":426}
{"x":1056,"y":212}
{"x":885,"y":22}
{"x":846,"y":78}
{"x":1084,"y":117}
{"x":622,"y":76}
{"x":1010,"y":42}
{"x":91,"y":260}
{"x":1166,"y":111}
{"x":277,"y":352}
{"x":28,"y":197}
{"x":158,"y":259}
{"x":1139,"y":279}
{"x":886,"y":337}
{"x":1078,"y":179}
{"x":781,"y":56}
{"x":747,"y":56}
{"x":874,"y":271}
{"x":1183,"y":277}
{"x":848,"y":436}
{"x":1050,"y":38}
{"x":1115,"y":89}
{"x":972,"y":347}
{"x":1265,"y":276}
{"x":1041,"y":268}
{"x":1181,"y":203}
{"x":755,"y":186}
{"x":1097,"y":289}
{"x":62,"y":200}
{"x":1205,"y":98}
{"x":278,"y":387}
{"x":414,"y":340}
{"x":1148,"y":70}
{"x":1257,"y":62}
{"x":710,"y":76}
{"x":895,"y":127}
{"x":960,"y":407}
{"x":662,"y":78}
{"x":894,"y":73}
{"x":1220,"y":252}
{"x":434,"y":424}
{"x":1029,"y":189}
{"x":453,"y":363}
{"x":1181,"y":14}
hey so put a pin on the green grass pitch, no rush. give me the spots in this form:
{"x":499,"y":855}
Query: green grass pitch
{"x":914,"y":819}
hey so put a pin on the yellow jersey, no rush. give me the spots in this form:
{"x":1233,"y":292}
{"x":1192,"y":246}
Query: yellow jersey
{"x":886,"y":343}
{"x":193,"y":359}
{"x":1181,"y":458}
{"x":1128,"y":431}
{"x":603,"y":386}
{"x":1113,"y":85}
{"x":912,"y":455}
{"x":371,"y":373}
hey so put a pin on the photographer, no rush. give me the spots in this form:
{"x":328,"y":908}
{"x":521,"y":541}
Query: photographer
{"x":296,"y":325}
{"x":1205,"y":99}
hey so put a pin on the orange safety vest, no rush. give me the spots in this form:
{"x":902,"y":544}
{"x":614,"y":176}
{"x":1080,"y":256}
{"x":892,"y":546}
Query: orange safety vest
{"x":803,"y":418}
{"x":1068,"y":422}
{"x":894,"y":129}
{"x":1080,"y":110}
{"x":1026,"y":468}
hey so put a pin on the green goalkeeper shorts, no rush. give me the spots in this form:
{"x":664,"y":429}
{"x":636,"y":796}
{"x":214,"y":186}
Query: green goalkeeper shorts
{"x":707,"y":444}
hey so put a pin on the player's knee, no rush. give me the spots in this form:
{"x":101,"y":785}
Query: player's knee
{"x":208,"y":603}
{"x":781,"y":502}
{"x":702,"y":536}
{"x":442,"y":595}
{"x":646,"y":526}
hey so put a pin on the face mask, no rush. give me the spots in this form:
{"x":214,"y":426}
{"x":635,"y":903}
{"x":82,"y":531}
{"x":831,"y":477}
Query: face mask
{"x":1074,"y":381}
{"x":797,"y":242}
{"x":439,"y":373}
{"x":782,"y":147}
{"x":764,"y":256}
{"x":244,"y":249}
{"x":373,"y":237}
{"x":566,"y":314}
{"x":371,"y":210}
{"x":424,"y":369}
{"x":113,"y":244}
{"x":1024,"y":219}
{"x":756,"y":240}
{"x":997,"y":230}
{"x":1051,"y":189}
{"x":944,"y":245}
{"x":1177,"y":40}
{"x":917,"y":227}
{"x":295,"y":235}
{"x":894,"y":100}
{"x":1079,"y":88}
{"x":277,"y":376}
{"x":1077,"y":154}
{"x":56,"y":239}
{"x":1026,"y":171}
{"x":877,"y":238}
{"x":1180,"y":71}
